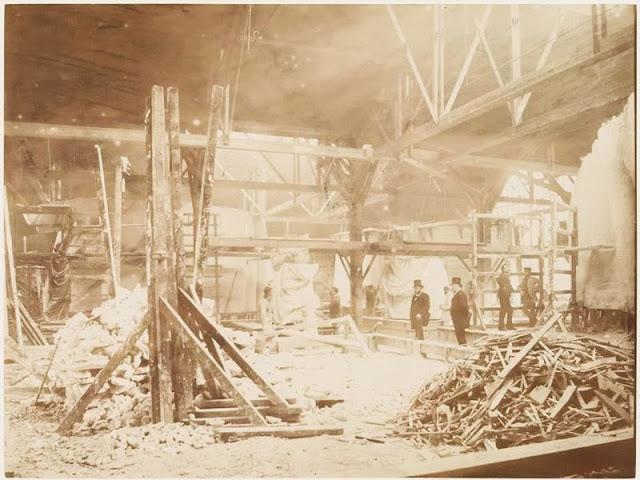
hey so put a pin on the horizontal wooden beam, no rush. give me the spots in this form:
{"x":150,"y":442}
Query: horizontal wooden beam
{"x":387,"y":248}
{"x":136,"y":135}
{"x":490,"y":162}
{"x":101,"y":134}
{"x":496,"y":98}
{"x":556,"y":458}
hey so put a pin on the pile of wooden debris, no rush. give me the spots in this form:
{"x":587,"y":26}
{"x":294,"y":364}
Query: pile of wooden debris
{"x":521,"y":388}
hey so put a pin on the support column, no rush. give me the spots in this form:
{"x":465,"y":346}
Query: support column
{"x":516,"y":64}
{"x":117,"y":221}
{"x":162,"y":268}
{"x":183,"y":372}
{"x":356,"y":260}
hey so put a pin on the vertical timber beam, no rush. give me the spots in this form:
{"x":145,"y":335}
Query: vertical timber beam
{"x":441,"y":44}
{"x":474,"y":261}
{"x":516,"y":63}
{"x":117,"y":221}
{"x":163,"y":277}
{"x":12,"y":271}
{"x":201,"y":239}
{"x":106,"y":228}
{"x":435,"y":88}
{"x":356,"y":259}
{"x":183,"y":368}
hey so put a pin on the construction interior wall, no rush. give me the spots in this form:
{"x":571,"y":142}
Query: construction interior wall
{"x":604,"y":197}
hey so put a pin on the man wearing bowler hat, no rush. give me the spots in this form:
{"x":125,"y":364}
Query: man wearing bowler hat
{"x":419,"y":313}
{"x":459,"y":310}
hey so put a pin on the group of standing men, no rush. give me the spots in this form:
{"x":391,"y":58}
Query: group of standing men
{"x":529,"y":291}
{"x":459,"y":310}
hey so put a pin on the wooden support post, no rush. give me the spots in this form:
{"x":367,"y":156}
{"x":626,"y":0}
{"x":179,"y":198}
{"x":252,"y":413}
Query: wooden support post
{"x":441,"y":62}
{"x":76,"y":412}
{"x":552,"y":250}
{"x":516,"y":63}
{"x":201,"y":213}
{"x":435,"y":89}
{"x":118,"y":189}
{"x":104,"y":213}
{"x":183,"y":367}
{"x":574,"y":268}
{"x":356,"y":259}
{"x":12,"y":271}
{"x":474,"y":260}
{"x":162,"y":269}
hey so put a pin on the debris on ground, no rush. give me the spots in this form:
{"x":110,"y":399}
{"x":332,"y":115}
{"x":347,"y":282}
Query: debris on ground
{"x":564,"y":387}
{"x":86,"y":344}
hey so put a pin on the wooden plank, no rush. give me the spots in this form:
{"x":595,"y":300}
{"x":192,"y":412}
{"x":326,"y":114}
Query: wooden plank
{"x":287,"y":431}
{"x":117,"y":219}
{"x":230,"y":403}
{"x":106,"y":223}
{"x":183,"y":367}
{"x":546,"y":459}
{"x":201,"y":209}
{"x":563,"y":400}
{"x":358,"y":335}
{"x":620,"y":411}
{"x":230,"y":349}
{"x":205,"y":358}
{"x":76,"y":412}
{"x":100,"y":134}
{"x":238,"y":412}
{"x":32,"y":325}
{"x":486,"y":103}
{"x":515,"y":361}
{"x":12,"y":273}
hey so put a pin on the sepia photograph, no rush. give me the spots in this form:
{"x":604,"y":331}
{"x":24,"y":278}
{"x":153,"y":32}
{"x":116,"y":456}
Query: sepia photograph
{"x":319,"y":240}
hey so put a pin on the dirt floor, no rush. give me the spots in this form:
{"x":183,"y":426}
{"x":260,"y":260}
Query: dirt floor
{"x":374,"y":389}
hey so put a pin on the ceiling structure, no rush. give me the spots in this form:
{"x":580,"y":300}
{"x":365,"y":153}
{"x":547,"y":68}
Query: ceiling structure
{"x":339,"y":73}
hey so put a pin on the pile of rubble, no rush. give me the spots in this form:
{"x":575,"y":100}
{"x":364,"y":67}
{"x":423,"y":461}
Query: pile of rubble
{"x":85,"y":346}
{"x":564,"y":387}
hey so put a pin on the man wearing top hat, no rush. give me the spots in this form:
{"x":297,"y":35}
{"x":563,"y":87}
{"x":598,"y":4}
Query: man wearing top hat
{"x":419,"y":313}
{"x":459,"y":310}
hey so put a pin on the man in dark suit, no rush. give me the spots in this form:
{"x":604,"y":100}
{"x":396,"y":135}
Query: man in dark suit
{"x":505,"y":289}
{"x":459,"y":310}
{"x":419,"y":313}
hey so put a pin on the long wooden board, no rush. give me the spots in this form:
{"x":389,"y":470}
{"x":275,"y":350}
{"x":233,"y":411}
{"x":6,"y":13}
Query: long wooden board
{"x":230,"y":349}
{"x":515,"y":361}
{"x":205,"y":357}
{"x":287,"y":431}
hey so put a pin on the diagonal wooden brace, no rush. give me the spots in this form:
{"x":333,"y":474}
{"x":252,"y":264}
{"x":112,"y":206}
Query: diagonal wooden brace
{"x":75,"y":414}
{"x":230,"y":349}
{"x":205,"y":358}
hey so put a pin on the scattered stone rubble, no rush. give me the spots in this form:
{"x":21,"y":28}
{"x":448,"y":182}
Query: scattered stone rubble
{"x":86,"y":344}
